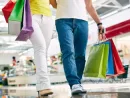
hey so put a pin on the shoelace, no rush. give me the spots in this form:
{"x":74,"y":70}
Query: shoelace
{"x":76,"y":86}
{"x":81,"y":87}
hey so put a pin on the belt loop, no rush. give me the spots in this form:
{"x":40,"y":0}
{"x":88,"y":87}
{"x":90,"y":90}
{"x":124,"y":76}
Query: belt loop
{"x":73,"y":23}
{"x":41,"y":18}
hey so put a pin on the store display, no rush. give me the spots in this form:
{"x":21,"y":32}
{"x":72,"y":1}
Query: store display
{"x":25,"y":70}
{"x":55,"y":66}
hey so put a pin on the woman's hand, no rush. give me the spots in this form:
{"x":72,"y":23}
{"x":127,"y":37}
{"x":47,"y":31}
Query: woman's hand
{"x":53,"y":3}
{"x":14,"y":1}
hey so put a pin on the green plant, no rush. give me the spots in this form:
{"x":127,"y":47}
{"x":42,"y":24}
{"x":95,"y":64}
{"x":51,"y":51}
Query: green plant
{"x":60,"y":58}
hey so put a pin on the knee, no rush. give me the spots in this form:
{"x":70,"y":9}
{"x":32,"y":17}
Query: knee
{"x":81,"y":55}
{"x":66,"y":53}
{"x":40,"y":48}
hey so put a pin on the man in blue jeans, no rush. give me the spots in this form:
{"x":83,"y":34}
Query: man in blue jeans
{"x":72,"y":28}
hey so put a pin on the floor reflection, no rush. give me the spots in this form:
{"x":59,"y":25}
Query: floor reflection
{"x":89,"y":95}
{"x":80,"y":96}
{"x":111,"y":92}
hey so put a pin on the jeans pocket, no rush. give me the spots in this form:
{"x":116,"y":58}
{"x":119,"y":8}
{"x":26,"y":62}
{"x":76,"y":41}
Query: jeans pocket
{"x":36,"y":17}
{"x":59,"y":21}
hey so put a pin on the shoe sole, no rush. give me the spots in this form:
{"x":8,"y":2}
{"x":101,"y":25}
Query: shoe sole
{"x":47,"y":94}
{"x":79,"y":92}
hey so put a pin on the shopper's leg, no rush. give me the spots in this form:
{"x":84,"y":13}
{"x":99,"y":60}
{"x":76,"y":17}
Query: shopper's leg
{"x":65,"y":34}
{"x":47,"y":29}
{"x":80,"y":43}
{"x":39,"y":46}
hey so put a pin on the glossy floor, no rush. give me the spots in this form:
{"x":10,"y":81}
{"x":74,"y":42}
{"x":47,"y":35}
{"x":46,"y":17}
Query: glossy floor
{"x":62,"y":91}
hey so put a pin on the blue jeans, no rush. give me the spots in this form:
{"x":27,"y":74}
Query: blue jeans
{"x":73,"y":37}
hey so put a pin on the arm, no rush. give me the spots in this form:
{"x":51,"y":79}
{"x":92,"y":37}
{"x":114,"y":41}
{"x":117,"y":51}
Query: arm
{"x":91,"y":10}
{"x":53,"y":3}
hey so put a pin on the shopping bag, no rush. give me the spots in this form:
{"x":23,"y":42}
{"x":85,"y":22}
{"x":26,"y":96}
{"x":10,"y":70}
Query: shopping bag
{"x":15,"y":19}
{"x":7,"y":9}
{"x":96,"y":65}
{"x":27,"y":29}
{"x":110,"y":66}
{"x":118,"y":67}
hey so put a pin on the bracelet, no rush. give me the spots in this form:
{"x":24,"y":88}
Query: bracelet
{"x":99,"y":24}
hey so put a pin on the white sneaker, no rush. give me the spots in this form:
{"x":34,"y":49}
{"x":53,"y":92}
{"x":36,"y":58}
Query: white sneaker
{"x":77,"y":89}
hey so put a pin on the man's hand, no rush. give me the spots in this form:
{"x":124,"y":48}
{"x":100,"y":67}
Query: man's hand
{"x":101,"y":33}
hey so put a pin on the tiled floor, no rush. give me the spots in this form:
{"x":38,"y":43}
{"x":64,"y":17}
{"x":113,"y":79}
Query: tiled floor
{"x":62,"y":91}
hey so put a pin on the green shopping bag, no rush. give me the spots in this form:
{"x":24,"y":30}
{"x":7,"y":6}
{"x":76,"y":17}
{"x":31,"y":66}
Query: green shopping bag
{"x":16,"y":18}
{"x":96,"y":65}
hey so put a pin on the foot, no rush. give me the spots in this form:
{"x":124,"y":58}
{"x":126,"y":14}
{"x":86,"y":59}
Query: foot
{"x":78,"y":89}
{"x":46,"y":92}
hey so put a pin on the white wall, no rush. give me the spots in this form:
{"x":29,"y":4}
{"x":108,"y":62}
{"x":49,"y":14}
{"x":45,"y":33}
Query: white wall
{"x":117,"y":18}
{"x":7,"y":58}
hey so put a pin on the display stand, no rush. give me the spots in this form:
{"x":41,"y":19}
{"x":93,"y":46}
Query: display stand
{"x":28,"y":80}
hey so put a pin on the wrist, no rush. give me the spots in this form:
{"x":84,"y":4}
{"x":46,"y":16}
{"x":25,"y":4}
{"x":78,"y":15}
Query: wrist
{"x":100,"y":23}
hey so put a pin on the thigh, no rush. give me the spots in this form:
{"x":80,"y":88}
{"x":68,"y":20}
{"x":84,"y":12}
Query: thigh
{"x":81,"y":37}
{"x":37,"y":37}
{"x":65,"y":36}
{"x":47,"y":29}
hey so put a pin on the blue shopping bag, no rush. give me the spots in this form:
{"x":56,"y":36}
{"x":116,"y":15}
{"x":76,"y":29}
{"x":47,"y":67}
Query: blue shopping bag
{"x":110,"y":66}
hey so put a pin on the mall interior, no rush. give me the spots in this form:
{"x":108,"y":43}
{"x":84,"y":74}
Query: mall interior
{"x":18,"y":70}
